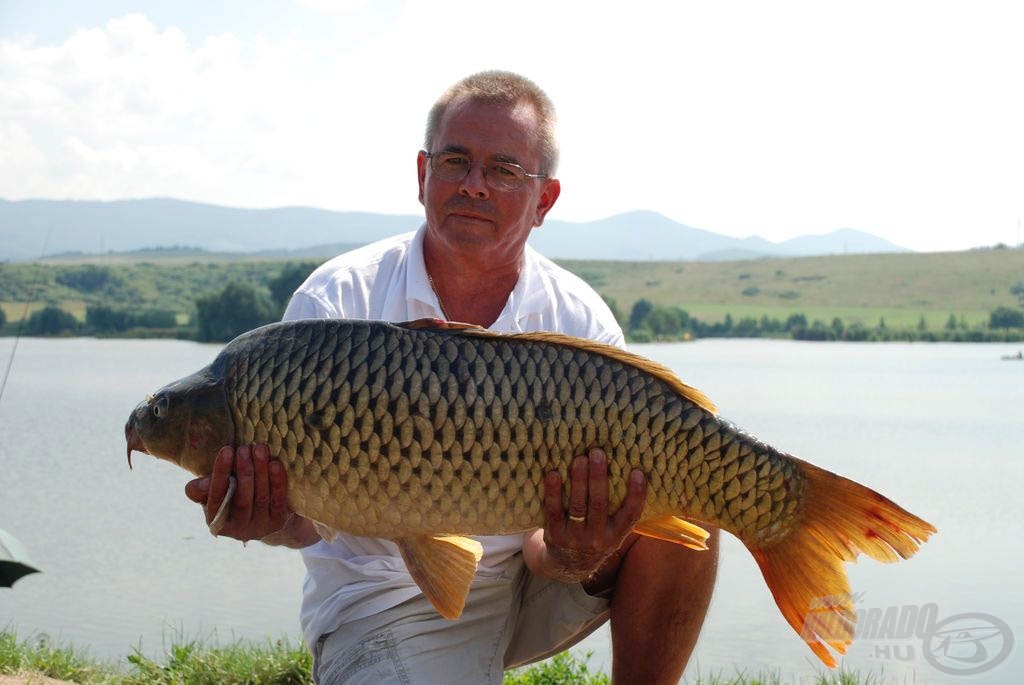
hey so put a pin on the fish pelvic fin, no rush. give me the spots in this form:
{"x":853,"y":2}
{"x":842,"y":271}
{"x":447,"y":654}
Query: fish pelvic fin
{"x":804,"y":570}
{"x":443,"y":567}
{"x":675,"y":530}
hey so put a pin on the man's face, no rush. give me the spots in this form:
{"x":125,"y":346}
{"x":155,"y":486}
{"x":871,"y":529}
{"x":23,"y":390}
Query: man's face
{"x":468,"y":216}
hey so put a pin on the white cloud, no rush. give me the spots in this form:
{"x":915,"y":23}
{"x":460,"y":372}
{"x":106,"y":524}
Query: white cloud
{"x":130,"y":109}
{"x":770,"y":118}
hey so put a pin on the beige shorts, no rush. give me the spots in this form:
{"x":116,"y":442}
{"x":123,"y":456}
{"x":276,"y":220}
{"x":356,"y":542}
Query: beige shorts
{"x":506,"y":623}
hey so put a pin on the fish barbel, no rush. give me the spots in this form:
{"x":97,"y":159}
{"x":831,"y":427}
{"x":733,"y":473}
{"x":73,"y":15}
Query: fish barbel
{"x":425,"y":433}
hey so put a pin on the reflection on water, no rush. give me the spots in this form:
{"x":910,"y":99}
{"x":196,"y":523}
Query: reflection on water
{"x":127,"y":559}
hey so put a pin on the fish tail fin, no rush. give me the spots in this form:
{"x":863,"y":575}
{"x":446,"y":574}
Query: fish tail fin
{"x":804,"y":570}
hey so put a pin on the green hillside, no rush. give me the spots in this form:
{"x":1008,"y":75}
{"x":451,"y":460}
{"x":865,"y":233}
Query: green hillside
{"x":856,"y":288}
{"x":902,"y":289}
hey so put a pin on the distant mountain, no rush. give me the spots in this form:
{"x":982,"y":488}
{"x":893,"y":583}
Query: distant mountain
{"x":88,"y":227}
{"x":125,"y":225}
{"x":841,"y":241}
{"x":636,"y":236}
{"x":644,"y":236}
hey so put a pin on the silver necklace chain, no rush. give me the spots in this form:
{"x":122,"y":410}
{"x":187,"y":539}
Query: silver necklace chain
{"x":438,"y":296}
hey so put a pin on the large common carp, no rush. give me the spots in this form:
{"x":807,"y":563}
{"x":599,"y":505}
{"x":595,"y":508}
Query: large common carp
{"x":425,"y":433}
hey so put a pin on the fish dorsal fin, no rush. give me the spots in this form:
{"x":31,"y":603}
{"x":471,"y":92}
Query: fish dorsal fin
{"x":443,"y":567}
{"x":675,"y":530}
{"x":438,"y":325}
{"x":657,"y":370}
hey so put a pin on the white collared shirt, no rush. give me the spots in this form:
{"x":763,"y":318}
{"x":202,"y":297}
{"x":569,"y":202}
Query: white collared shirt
{"x":354,"y":577}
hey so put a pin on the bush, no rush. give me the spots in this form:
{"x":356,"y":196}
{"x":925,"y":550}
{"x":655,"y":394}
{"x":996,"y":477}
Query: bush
{"x":795,"y":322}
{"x":87,"y":278}
{"x":1018,"y":290}
{"x":746,"y":328}
{"x":287,"y":282}
{"x":103,"y":319}
{"x":637,"y":317}
{"x":236,"y":309}
{"x":154,"y":318}
{"x":51,"y":320}
{"x":1005,"y":317}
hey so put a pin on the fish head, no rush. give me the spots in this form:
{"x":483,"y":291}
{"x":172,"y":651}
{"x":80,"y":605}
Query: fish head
{"x":185,"y":422}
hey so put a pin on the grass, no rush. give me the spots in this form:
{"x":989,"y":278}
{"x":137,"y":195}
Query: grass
{"x":901,"y":288}
{"x":273,"y":663}
{"x":897,"y":318}
{"x":39,"y":656}
{"x":280,"y":662}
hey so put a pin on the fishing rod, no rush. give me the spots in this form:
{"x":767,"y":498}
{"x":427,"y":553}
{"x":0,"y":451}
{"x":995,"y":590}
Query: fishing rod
{"x":21,"y":323}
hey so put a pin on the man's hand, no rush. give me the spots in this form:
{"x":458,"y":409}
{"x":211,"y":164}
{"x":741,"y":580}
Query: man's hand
{"x":259,"y":507}
{"x":573,"y":545}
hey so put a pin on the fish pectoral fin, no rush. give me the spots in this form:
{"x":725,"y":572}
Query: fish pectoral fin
{"x":674,"y":529}
{"x":439,"y":324}
{"x":444,"y":567}
{"x":220,"y":519}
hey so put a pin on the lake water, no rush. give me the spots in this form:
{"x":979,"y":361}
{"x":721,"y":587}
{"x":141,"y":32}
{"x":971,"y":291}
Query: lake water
{"x":128,"y":563}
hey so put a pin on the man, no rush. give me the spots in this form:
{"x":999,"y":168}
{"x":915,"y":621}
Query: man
{"x":486,"y":179}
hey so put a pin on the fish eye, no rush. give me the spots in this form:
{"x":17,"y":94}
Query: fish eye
{"x":160,"y":407}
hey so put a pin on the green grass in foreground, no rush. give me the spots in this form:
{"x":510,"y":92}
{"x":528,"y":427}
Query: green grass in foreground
{"x":283,"y":663}
{"x":273,"y":662}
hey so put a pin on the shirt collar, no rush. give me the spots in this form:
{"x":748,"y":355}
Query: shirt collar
{"x":417,"y":285}
{"x":528,"y":299}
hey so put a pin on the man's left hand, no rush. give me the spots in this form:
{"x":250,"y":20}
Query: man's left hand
{"x":574,"y":544}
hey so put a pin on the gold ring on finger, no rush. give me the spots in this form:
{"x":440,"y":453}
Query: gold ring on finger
{"x":577,"y":519}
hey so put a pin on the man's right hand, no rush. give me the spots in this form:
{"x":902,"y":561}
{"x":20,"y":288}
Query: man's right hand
{"x":259,"y":508}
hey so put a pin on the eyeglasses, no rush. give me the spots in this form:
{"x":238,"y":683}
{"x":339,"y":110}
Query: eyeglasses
{"x":455,"y":166}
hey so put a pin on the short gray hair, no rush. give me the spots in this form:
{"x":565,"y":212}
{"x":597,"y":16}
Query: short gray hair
{"x":502,"y":88}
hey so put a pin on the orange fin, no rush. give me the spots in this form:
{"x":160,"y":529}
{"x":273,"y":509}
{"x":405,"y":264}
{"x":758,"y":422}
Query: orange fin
{"x":804,"y":570}
{"x":618,"y":354}
{"x":443,"y":566}
{"x":674,"y":529}
{"x":438,"y":325}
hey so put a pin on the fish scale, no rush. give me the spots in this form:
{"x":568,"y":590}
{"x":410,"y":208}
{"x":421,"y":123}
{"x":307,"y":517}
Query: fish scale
{"x":425,"y":433}
{"x":518,"y":424}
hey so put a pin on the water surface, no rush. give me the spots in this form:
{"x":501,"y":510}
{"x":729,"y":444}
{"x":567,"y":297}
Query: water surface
{"x":129,"y":564}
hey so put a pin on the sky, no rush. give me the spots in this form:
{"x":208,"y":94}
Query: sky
{"x":903,"y":119}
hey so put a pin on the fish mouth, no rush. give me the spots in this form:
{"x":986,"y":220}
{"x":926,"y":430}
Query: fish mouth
{"x":134,"y":442}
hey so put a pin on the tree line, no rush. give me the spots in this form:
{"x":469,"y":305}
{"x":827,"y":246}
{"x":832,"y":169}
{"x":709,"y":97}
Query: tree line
{"x":648,"y":322}
{"x":219,"y":316}
{"x":240,"y":307}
